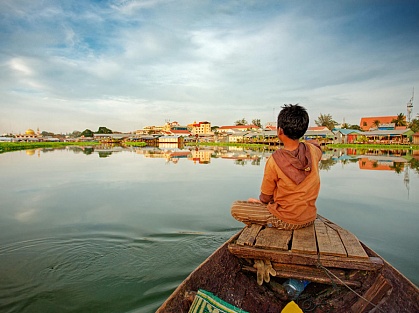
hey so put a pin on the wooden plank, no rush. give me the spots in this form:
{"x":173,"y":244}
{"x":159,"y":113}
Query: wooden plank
{"x":304,"y":240}
{"x":308,"y":273}
{"x":289,"y":257}
{"x":248,"y":235}
{"x":374,"y":294}
{"x":328,"y":240}
{"x":273,"y":238}
{"x":352,"y":245}
{"x":282,"y":267}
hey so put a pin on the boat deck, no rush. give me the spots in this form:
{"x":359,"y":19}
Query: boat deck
{"x":306,"y":253}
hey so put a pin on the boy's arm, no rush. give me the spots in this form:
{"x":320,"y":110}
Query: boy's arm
{"x":268,"y":182}
{"x":265,"y":198}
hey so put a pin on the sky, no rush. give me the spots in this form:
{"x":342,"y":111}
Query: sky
{"x":75,"y":65}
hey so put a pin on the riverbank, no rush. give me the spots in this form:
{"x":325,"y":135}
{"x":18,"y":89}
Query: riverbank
{"x":355,"y":146}
{"x":14,"y":146}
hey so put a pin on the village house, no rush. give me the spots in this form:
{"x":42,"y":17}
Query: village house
{"x":321,"y":133}
{"x":346,"y":135}
{"x":370,"y":123}
{"x":201,"y":128}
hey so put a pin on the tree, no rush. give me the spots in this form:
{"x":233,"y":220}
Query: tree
{"x":355,"y":127}
{"x":241,"y":122}
{"x":75,"y":134}
{"x":414,"y":125}
{"x":257,"y":123}
{"x":104,"y":130}
{"x":376,"y":123}
{"x":400,"y":120}
{"x":46,"y":134}
{"x":326,"y":120}
{"x":87,"y":133}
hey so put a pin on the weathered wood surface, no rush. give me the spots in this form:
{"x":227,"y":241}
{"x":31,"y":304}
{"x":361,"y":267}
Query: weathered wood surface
{"x":373,"y":295}
{"x":248,"y":235}
{"x":328,"y":240}
{"x":309,"y":273}
{"x":272,"y":238}
{"x":352,"y":245}
{"x":304,"y":240}
{"x":305,"y":259}
{"x":322,"y":243}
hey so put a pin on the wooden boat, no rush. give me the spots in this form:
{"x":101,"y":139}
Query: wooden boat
{"x":345,"y":275}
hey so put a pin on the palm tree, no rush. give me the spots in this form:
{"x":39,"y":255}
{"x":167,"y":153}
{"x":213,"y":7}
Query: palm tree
{"x":326,"y":120}
{"x":241,"y":122}
{"x":257,"y":123}
{"x":400,"y":120}
{"x":376,"y":123}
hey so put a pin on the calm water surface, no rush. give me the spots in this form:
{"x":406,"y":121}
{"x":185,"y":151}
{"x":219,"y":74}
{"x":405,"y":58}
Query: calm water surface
{"x":114,"y":230}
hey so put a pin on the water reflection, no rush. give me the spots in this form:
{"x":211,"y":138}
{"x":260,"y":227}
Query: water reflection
{"x":110,"y":228}
{"x":396,"y":160}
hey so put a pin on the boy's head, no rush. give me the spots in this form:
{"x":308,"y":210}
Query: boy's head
{"x":293,"y":120}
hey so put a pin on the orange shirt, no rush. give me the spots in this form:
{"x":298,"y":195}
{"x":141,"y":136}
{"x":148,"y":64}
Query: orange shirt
{"x":294,"y":204}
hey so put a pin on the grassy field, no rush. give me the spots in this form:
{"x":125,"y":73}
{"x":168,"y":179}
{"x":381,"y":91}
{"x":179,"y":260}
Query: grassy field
{"x":13,"y":146}
{"x":135,"y":143}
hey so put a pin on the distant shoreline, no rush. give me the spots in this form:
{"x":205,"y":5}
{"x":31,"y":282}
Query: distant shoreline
{"x":16,"y":146}
{"x":356,"y":146}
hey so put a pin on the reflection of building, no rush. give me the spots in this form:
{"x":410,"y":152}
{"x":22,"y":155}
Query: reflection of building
{"x":382,"y":163}
{"x":201,"y":156}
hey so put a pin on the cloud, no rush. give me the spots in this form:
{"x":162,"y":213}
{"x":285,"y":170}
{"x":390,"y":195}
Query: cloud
{"x":134,"y":63}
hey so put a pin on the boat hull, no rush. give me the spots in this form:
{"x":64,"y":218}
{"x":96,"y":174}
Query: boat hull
{"x":222,"y":274}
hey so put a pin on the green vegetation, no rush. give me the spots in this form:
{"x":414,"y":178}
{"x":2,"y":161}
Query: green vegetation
{"x":374,"y":146}
{"x":14,"y":146}
{"x":135,"y":143}
{"x":326,"y":120}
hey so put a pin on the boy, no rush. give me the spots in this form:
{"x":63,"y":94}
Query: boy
{"x":291,"y":180}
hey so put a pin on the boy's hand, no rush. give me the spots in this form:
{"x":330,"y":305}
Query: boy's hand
{"x":254,"y":200}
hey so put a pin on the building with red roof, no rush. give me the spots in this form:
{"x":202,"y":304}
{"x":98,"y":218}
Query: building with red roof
{"x":369,"y":122}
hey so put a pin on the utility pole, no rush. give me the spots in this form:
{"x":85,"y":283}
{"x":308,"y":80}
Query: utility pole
{"x":410,"y":106}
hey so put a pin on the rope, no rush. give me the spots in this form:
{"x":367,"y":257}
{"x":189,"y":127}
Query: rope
{"x":319,"y":265}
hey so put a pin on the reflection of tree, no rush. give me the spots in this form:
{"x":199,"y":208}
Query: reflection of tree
{"x":88,"y":151}
{"x":398,"y":167}
{"x":375,"y":164}
{"x":256,"y":161}
{"x":104,"y":154}
{"x":414,"y":165}
{"x":240,"y":162}
{"x":327,"y":164}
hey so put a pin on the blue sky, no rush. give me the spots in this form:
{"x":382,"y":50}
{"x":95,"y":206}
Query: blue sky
{"x":71,"y":65}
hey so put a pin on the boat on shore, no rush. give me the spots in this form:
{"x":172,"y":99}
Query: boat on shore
{"x":345,"y":275}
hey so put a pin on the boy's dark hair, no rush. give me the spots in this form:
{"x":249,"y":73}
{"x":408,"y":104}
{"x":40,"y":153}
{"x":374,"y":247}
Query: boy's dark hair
{"x":293,"y":119}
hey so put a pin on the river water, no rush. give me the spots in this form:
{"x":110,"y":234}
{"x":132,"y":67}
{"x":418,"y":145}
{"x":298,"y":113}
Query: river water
{"x":116,"y":230}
